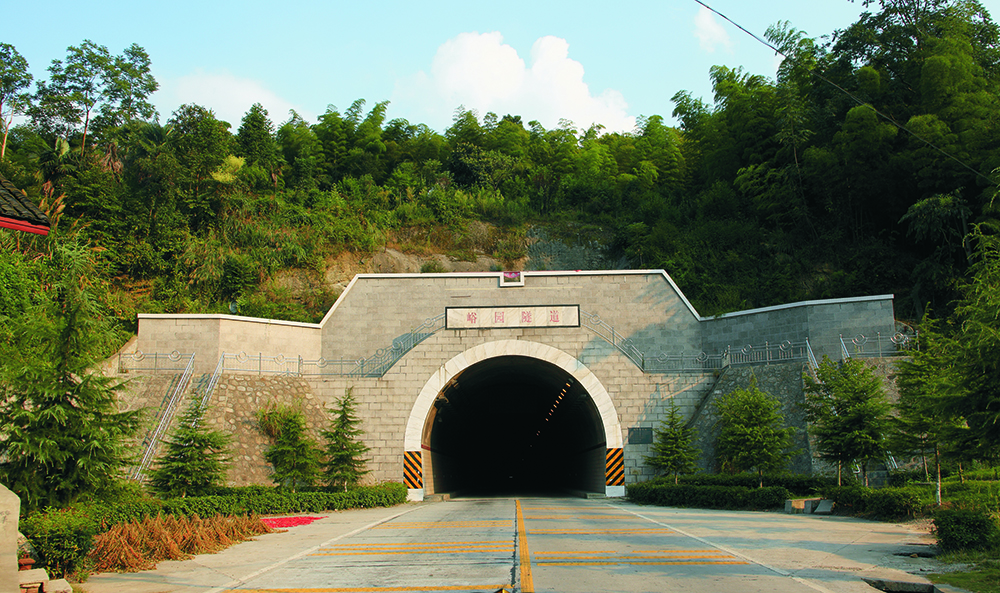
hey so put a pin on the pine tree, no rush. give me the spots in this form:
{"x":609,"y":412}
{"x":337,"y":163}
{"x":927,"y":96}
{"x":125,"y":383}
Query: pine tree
{"x":62,"y":437}
{"x":673,"y":452}
{"x":294,"y":457}
{"x":345,"y":464}
{"x":195,"y":460}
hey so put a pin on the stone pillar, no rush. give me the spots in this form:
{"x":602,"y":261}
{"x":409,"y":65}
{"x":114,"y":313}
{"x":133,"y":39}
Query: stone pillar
{"x":10,"y":509}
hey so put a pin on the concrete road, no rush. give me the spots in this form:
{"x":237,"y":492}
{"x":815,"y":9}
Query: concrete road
{"x":549,"y":545}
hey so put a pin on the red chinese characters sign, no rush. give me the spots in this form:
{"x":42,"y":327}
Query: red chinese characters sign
{"x":501,"y":317}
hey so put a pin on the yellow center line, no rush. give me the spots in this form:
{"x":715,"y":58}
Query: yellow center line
{"x":527,"y":584}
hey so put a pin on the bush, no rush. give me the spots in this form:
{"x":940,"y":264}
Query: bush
{"x":62,"y":538}
{"x":892,"y":503}
{"x":707,"y":497}
{"x":883,"y":503}
{"x":966,"y":529}
{"x":259,"y":500}
{"x":796,"y":483}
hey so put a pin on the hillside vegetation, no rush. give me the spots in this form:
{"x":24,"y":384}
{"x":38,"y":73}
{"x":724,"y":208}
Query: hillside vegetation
{"x":859,"y":170}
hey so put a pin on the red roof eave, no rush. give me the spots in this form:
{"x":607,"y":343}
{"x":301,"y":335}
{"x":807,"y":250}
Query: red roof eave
{"x":20,"y":225}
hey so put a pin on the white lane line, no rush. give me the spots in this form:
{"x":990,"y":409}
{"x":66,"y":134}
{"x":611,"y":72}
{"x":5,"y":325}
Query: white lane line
{"x":783,"y":573}
{"x":242,"y":580}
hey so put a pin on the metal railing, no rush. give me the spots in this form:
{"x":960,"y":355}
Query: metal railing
{"x":154,"y":361}
{"x":679,"y":363}
{"x":219,"y":367}
{"x":878,"y":346}
{"x":768,"y":353}
{"x":165,"y":418}
{"x":594,"y":323}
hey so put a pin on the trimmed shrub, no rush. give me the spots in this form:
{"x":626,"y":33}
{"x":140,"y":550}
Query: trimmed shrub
{"x":796,"y":483}
{"x":707,"y":497}
{"x":892,"y":503}
{"x":966,"y":529}
{"x":849,"y":499}
{"x":882,"y":503}
{"x":259,"y":500}
{"x":62,"y":538}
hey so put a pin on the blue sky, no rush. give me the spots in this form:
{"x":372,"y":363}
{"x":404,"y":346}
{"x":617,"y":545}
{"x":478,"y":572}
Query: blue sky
{"x":590,"y":62}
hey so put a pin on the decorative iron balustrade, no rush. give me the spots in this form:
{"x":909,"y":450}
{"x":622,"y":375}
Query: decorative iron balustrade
{"x":769,"y":353}
{"x":154,"y":361}
{"x":879,"y":346}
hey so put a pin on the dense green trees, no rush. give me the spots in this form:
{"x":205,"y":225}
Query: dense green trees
{"x":770,"y":191}
{"x":848,"y":414}
{"x":752,"y":432}
{"x":62,"y":437}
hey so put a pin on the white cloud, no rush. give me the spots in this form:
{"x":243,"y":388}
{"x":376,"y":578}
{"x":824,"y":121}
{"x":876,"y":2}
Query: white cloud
{"x":709,"y":32}
{"x":480,"y":72}
{"x":228,"y":96}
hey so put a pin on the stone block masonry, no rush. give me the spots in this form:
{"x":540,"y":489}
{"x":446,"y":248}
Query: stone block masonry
{"x":639,"y":311}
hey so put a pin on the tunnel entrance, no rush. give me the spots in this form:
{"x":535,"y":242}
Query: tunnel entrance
{"x":515,"y":425}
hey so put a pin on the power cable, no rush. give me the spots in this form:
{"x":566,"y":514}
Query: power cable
{"x":851,"y":95}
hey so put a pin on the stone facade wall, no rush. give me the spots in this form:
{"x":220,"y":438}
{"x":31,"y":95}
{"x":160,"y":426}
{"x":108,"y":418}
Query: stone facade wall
{"x":645,"y":307}
{"x":822,"y":322}
{"x":208,"y":336}
{"x":783,"y":381}
{"x":234,"y":406}
{"x":376,"y":309}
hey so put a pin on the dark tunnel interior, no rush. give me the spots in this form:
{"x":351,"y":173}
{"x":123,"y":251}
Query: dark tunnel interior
{"x":516,"y":425}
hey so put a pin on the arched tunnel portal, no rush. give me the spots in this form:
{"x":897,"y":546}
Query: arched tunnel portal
{"x":516,"y":424}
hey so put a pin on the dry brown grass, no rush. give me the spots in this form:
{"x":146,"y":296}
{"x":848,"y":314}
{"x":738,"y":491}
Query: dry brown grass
{"x":129,"y":547}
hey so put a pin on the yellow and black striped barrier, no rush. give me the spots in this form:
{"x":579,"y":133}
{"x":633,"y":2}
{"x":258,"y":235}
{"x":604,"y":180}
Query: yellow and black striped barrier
{"x":615,"y":467}
{"x":413,"y":469}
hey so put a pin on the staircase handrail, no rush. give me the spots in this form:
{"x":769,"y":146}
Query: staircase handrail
{"x":207,"y":396}
{"x":165,"y":418}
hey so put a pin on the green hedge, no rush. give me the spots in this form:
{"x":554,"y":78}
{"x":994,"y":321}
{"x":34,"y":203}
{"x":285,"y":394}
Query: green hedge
{"x":258,"y":500}
{"x":966,"y":529}
{"x":62,"y":538}
{"x":877,"y":503}
{"x":707,"y":497}
{"x":796,"y":483}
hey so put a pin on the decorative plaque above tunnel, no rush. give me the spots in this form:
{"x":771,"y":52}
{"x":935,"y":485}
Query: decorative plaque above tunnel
{"x":502,"y":317}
